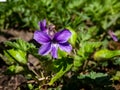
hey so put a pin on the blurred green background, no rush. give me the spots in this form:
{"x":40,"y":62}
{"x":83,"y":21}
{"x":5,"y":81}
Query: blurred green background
{"x":20,"y":14}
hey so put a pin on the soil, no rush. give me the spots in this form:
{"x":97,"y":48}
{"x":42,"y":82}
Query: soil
{"x":18,"y":81}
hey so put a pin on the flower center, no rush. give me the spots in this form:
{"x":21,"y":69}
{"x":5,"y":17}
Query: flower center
{"x":53,"y":41}
{"x":51,"y":30}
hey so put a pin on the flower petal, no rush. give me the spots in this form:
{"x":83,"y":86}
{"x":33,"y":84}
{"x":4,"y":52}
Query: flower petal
{"x":41,"y":37}
{"x":54,"y":50}
{"x":65,"y":47}
{"x":62,"y":36}
{"x":45,"y":49}
{"x":113,"y":36}
{"x":42,"y":25}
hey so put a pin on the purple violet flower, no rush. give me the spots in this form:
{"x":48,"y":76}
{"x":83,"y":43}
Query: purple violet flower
{"x":46,"y":29}
{"x":51,"y":43}
{"x":43,"y":26}
{"x":111,"y":33}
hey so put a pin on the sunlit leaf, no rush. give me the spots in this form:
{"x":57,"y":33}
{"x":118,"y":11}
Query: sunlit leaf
{"x":73,"y":37}
{"x":20,"y":44}
{"x":105,"y":54}
{"x":16,"y":56}
{"x":14,"y":69}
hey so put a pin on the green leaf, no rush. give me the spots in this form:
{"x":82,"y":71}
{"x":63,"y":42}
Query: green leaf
{"x":117,"y":61}
{"x":78,"y":61}
{"x":92,"y":75}
{"x":92,"y":31}
{"x":105,"y":54}
{"x":20,"y":44}
{"x":7,"y":58}
{"x":63,"y":68}
{"x":62,"y":53}
{"x":73,"y":38}
{"x":14,"y":69}
{"x":16,"y":56}
{"x":87,"y":48}
{"x":116,"y":76}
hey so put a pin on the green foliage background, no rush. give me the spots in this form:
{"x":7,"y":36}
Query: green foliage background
{"x":75,"y":13}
